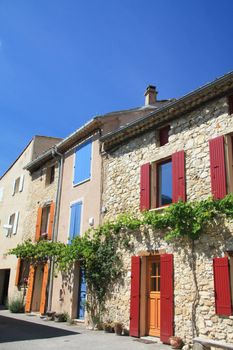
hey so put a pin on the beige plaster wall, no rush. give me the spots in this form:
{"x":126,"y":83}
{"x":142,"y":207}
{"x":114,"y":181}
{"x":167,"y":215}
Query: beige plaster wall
{"x":9,"y":205}
{"x":34,"y":194}
{"x":65,"y":299}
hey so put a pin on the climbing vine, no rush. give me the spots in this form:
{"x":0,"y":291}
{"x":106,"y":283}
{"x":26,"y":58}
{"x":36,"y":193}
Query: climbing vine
{"x":100,"y":250}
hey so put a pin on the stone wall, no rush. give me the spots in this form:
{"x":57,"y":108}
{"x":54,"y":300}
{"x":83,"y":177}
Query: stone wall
{"x":40,"y":193}
{"x":190,"y":133}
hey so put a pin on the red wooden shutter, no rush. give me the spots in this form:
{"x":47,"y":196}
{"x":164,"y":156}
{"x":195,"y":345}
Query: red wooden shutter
{"x":217,"y":167}
{"x":38,"y":223}
{"x":222,"y":287}
{"x":166,"y":297}
{"x":145,"y":187}
{"x":135,"y":297}
{"x":178,"y":177}
{"x":51,"y":220}
{"x":230,"y":104}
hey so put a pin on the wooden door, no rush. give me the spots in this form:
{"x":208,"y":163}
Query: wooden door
{"x":153,"y":296}
{"x":36,"y":295}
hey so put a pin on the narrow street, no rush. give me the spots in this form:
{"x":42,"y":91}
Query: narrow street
{"x":22,"y":332}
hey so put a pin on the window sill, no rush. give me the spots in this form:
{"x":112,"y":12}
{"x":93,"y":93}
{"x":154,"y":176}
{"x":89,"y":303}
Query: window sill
{"x":82,"y":182}
{"x":160,"y":209}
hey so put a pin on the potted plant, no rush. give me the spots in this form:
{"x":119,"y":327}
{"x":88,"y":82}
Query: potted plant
{"x":176,"y":342}
{"x":118,"y":328}
{"x":108,"y":327}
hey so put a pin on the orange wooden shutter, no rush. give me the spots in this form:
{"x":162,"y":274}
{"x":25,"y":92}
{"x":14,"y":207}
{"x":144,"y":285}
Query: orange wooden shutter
{"x":51,"y":220}
{"x":43,"y":290}
{"x":17,"y":272}
{"x":30,"y":289}
{"x":38,"y":223}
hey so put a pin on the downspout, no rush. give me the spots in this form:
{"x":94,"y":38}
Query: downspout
{"x":55,"y":153}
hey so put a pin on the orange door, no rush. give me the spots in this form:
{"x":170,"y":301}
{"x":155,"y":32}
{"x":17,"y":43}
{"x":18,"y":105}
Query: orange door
{"x":153,"y":296}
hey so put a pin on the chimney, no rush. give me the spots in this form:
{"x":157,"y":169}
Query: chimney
{"x":150,"y":95}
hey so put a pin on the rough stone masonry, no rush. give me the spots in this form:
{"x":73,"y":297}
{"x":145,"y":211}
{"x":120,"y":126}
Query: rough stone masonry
{"x":190,"y":133}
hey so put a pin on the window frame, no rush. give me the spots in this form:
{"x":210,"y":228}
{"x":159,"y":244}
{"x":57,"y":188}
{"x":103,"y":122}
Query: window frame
{"x":23,"y":276}
{"x":50,"y":174}
{"x":44,"y":235}
{"x":228,"y":143}
{"x":166,"y":128}
{"x":89,"y":141}
{"x":13,"y":230}
{"x":230,"y":104}
{"x":155,"y":182}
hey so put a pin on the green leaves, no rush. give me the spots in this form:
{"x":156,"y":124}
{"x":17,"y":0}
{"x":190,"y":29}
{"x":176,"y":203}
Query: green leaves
{"x":100,"y":250}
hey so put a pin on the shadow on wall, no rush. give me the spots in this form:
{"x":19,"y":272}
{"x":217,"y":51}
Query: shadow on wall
{"x":12,"y":330}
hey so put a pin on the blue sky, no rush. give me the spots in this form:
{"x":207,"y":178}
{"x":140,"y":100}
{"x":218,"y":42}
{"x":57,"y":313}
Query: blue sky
{"x":62,"y":62}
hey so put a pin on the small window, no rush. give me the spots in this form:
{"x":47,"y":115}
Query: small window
{"x":45,"y":221}
{"x":1,"y":194}
{"x":164,"y":183}
{"x":228,"y":143}
{"x":13,"y":222}
{"x":230,"y":104}
{"x":50,"y":175}
{"x":18,"y":185}
{"x":82,"y":166}
{"x":164,"y":135}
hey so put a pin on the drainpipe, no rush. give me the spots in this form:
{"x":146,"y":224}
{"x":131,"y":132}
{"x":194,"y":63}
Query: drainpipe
{"x":55,"y":153}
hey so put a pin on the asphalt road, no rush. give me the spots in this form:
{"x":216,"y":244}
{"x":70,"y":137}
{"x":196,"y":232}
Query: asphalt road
{"x":22,"y":332}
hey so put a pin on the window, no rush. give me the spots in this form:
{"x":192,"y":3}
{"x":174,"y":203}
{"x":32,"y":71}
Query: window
{"x":164,"y":135}
{"x":12,"y":224}
{"x":18,"y":185}
{"x":221,"y":165}
{"x":50,"y":175}
{"x":23,"y":273}
{"x":1,"y":194}
{"x":230,"y":104}
{"x":163,"y":182}
{"x":45,"y":221}
{"x":229,"y":167}
{"x":75,"y":220}
{"x":82,"y":164}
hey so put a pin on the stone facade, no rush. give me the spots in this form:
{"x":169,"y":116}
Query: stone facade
{"x":190,"y":133}
{"x":40,"y":193}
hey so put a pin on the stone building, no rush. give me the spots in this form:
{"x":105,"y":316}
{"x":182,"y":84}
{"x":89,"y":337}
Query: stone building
{"x":15,"y":208}
{"x":42,"y":208}
{"x":182,"y":150}
{"x":78,"y":203}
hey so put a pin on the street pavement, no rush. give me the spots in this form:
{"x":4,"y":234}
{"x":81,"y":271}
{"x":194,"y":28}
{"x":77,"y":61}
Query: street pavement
{"x":24,"y":332}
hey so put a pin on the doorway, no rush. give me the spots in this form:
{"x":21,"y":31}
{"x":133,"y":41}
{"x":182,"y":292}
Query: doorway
{"x":81,"y":294}
{"x":153,"y":296}
{"x":4,"y":285}
{"x":36,"y":296}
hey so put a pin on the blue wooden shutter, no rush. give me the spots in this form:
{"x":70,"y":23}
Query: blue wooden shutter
{"x":82,"y":167}
{"x":75,"y":220}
